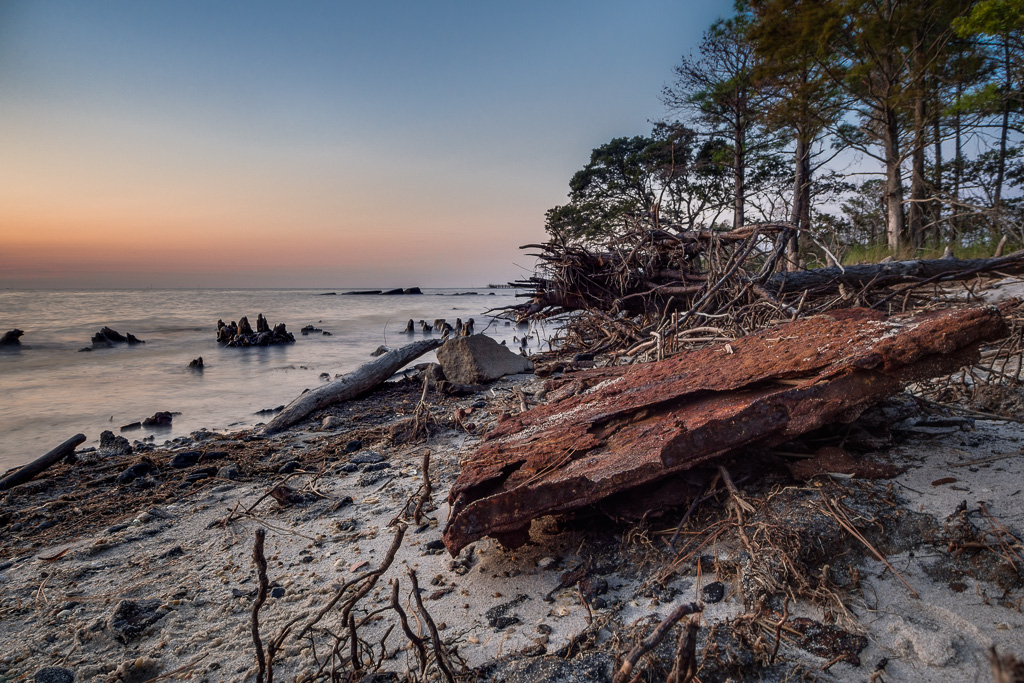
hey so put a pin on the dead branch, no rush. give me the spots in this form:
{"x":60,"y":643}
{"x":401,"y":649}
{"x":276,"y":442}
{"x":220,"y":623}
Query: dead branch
{"x":652,"y":641}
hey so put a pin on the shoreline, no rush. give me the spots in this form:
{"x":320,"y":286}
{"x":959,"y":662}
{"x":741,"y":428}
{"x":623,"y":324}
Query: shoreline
{"x":88,"y":545}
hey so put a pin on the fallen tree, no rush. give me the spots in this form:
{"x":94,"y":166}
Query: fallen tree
{"x":633,"y":426}
{"x":651,"y":286}
{"x":351,"y":385}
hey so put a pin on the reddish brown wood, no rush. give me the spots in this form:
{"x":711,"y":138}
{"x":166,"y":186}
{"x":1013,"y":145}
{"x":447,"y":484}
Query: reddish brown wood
{"x":645,"y":422}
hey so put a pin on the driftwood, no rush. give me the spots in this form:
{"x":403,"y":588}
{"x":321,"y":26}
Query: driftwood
{"x":27,"y":472}
{"x":637,"y":426}
{"x":351,"y":385}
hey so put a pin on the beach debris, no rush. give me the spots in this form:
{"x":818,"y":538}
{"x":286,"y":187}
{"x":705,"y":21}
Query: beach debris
{"x":40,"y":464}
{"x":349,"y":386}
{"x":623,"y":428}
{"x":478,"y":358}
{"x":241,"y":334}
{"x":11,"y":338}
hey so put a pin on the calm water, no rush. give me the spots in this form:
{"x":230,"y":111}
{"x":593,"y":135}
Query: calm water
{"x":50,"y":391}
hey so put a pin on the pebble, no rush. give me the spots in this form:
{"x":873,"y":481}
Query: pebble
{"x":713,"y":592}
{"x":546,"y":562}
{"x":131,"y":617}
{"x":277,"y":592}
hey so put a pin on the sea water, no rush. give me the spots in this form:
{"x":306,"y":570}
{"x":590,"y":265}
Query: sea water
{"x":50,"y":390}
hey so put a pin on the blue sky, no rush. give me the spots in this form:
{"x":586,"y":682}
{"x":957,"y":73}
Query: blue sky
{"x":312,"y":143}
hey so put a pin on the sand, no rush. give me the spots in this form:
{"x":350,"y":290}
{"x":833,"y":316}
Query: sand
{"x":187,"y":564}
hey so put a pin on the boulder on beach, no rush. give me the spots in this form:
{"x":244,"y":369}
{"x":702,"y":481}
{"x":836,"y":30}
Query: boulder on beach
{"x":11,"y":338}
{"x":477,"y":359}
{"x":110,"y":444}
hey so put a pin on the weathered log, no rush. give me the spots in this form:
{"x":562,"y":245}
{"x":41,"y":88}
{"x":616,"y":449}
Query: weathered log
{"x":896,"y":272}
{"x":351,"y":385}
{"x":642,"y":424}
{"x":27,"y":472}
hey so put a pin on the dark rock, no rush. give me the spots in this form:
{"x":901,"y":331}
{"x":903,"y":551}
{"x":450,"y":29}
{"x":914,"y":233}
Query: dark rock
{"x":130,"y":426}
{"x":581,"y":357}
{"x":277,"y":592}
{"x":241,"y":334}
{"x":186,"y":459}
{"x":476,"y":359}
{"x":132,"y":617}
{"x":713,"y":592}
{"x":410,"y":327}
{"x":498,"y":616}
{"x":54,"y":674}
{"x":229,"y":471}
{"x":137,"y":470}
{"x":196,"y":364}
{"x":364,"y":292}
{"x":114,"y":445}
{"x":436,"y":544}
{"x":215,"y":455}
{"x":107,"y":337}
{"x":371,"y":478}
{"x":160,"y":419}
{"x":244,"y":328}
{"x":288,"y":467}
{"x":376,"y":466}
{"x":367,"y":458}
{"x":309,"y":328}
{"x":12,"y":338}
{"x":412,"y":290}
{"x":392,"y":292}
{"x":353,"y":446}
{"x":348,"y":467}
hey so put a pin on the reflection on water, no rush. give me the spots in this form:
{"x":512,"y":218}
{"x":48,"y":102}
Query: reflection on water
{"x":49,"y":390}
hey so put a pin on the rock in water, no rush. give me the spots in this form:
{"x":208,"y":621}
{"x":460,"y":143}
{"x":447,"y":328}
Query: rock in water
{"x":11,"y":338}
{"x":477,"y":359}
{"x":107,"y":337}
{"x":161,"y":419}
{"x":197,"y":364}
{"x":244,"y":327}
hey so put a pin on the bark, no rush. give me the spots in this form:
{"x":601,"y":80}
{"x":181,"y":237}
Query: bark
{"x":798,"y":214}
{"x":918,"y":193}
{"x":351,"y":385}
{"x":739,"y":173}
{"x":27,"y":472}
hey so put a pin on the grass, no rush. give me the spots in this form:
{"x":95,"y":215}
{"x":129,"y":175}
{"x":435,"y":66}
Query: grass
{"x":859,"y":253}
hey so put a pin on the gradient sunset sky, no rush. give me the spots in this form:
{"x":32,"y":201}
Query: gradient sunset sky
{"x":310,"y":144}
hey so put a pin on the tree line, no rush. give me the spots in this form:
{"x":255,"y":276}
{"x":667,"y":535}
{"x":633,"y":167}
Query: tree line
{"x":890,"y":124}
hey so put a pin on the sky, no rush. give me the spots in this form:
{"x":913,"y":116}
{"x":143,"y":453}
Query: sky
{"x":311,"y":144}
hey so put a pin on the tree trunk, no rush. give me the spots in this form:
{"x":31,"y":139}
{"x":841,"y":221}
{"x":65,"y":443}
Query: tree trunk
{"x":1001,"y":169}
{"x":915,"y":220}
{"x":739,"y":173}
{"x":936,"y":217}
{"x":800,"y":210}
{"x":895,"y":225}
{"x":879,"y":275}
{"x":351,"y":385}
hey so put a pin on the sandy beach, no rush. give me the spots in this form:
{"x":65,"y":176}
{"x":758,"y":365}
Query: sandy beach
{"x":154,"y":578}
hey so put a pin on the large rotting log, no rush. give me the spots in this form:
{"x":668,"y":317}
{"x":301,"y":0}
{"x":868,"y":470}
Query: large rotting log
{"x":643,"y":423}
{"x":360,"y":381}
